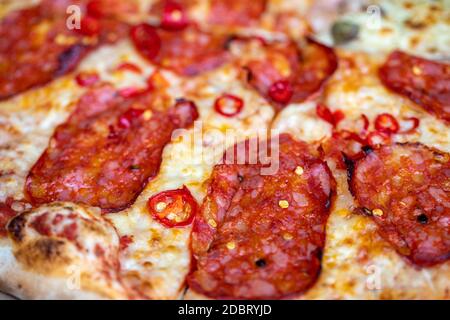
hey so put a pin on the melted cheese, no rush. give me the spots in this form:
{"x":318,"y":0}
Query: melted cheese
{"x":159,"y":257}
{"x":417,"y":26}
{"x":357,"y":262}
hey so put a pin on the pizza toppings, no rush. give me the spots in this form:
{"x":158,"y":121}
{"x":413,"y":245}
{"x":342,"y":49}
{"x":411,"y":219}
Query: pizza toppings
{"x":327,"y":115}
{"x":260,"y":236}
{"x":288,"y":74}
{"x":344,"y":32}
{"x":173,"y":208}
{"x":425,"y":82}
{"x":31,"y":56}
{"x":377,"y":138}
{"x":188,"y":52}
{"x":236,"y":13}
{"x":386,"y":123}
{"x":42,"y":48}
{"x":111,"y":9}
{"x":125,"y":242}
{"x":131,"y":67}
{"x":281,"y":91}
{"x":89,"y":26}
{"x":107,"y":150}
{"x":146,"y":40}
{"x":59,"y":225}
{"x":6,"y":213}
{"x":228,"y":105}
{"x":87,"y":79}
{"x":413,"y":124}
{"x":405,"y":188}
{"x":174,"y":16}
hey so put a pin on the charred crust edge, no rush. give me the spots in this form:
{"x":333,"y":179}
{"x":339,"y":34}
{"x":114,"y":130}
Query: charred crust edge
{"x":16,"y":227}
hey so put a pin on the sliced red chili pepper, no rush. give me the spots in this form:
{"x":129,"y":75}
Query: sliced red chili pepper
{"x":349,"y":135}
{"x":186,"y":107}
{"x":377,"y":138}
{"x":281,"y":91}
{"x":338,"y":116}
{"x":126,"y":119}
{"x":366,"y":123}
{"x":324,"y":113}
{"x":127,"y":66}
{"x":89,"y":26}
{"x":228,"y":105}
{"x":386,"y":123}
{"x":146,"y":40}
{"x":173,"y":208}
{"x":87,"y":79}
{"x":415,"y":122}
{"x":327,"y":115}
{"x":174,"y":17}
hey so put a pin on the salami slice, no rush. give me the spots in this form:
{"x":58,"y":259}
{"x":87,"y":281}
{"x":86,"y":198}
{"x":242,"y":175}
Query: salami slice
{"x":187,"y":52}
{"x":261,"y":236}
{"x":6,"y":213}
{"x":290,"y":74}
{"x":406,"y":190}
{"x":236,"y":13}
{"x":107,"y":150}
{"x":425,"y":82}
{"x":218,"y":12}
{"x":37,"y":46}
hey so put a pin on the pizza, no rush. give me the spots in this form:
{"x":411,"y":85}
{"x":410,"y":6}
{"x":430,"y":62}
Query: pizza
{"x":213,"y":149}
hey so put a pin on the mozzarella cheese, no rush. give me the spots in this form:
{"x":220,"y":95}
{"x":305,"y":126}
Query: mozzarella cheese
{"x":416,"y":26}
{"x":357,"y":263}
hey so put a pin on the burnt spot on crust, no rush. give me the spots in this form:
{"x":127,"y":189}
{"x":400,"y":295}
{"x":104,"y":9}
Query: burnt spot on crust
{"x":50,"y":249}
{"x":16,"y":227}
{"x":45,"y":255}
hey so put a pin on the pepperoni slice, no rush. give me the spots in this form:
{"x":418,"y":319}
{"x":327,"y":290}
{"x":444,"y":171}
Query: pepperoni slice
{"x":6,"y":213}
{"x":301,"y":72}
{"x":37,"y":46}
{"x":187,"y":52}
{"x":406,"y":190}
{"x":29,"y":54}
{"x":112,"y":9}
{"x":107,"y":150}
{"x":261,"y":235}
{"x":236,"y":13}
{"x":425,"y":82}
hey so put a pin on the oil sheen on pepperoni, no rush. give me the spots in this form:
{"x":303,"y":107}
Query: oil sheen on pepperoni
{"x":107,"y":150}
{"x":190,"y":52}
{"x":236,"y":13}
{"x":306,"y":69}
{"x":36,"y":46}
{"x":409,"y":184}
{"x":425,"y":82}
{"x":261,"y":236}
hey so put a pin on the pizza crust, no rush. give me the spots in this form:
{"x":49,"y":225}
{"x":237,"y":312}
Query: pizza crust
{"x":61,"y":250}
